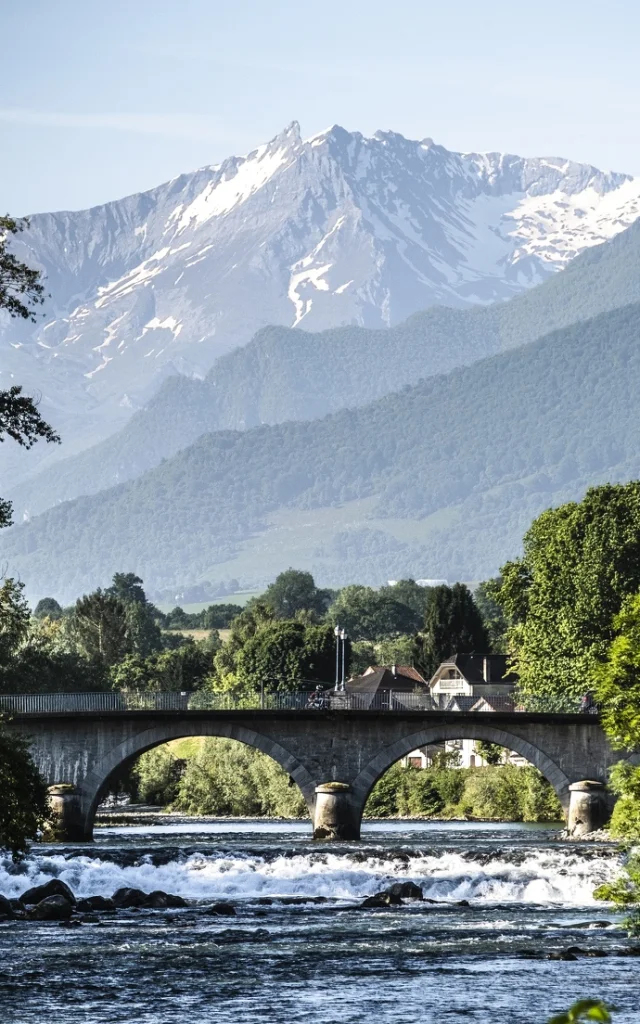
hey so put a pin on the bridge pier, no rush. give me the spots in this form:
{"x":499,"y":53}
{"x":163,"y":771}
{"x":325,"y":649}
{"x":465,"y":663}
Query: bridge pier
{"x":589,"y":808}
{"x":335,"y":815}
{"x":68,"y":819}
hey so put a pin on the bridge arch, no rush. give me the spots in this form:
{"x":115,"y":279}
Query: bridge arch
{"x":113,"y":760}
{"x":473,"y":730}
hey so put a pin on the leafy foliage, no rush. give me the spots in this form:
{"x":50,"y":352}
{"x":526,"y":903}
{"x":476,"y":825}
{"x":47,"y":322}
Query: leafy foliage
{"x":223,"y":777}
{"x":582,"y":1011}
{"x":286,"y":655}
{"x":295,"y":591}
{"x":24,"y":808}
{"x":580,"y":563}
{"x":504,"y":792}
{"x":20,"y":285}
{"x":369,"y":614}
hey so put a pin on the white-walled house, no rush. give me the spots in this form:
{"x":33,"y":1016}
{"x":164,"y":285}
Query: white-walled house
{"x":469,"y":682}
{"x":473,"y":675}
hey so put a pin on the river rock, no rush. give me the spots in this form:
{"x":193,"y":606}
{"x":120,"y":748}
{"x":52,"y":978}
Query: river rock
{"x":55,"y":887}
{"x":222,"y":910}
{"x":128,"y":898}
{"x":102,"y":904}
{"x":158,"y":900}
{"x":6,"y":910}
{"x":53,"y":908}
{"x":562,"y":954}
{"x":382,"y":899}
{"x":406,"y":890}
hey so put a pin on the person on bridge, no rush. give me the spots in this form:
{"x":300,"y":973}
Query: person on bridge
{"x":588,"y":705}
{"x":317,"y":699}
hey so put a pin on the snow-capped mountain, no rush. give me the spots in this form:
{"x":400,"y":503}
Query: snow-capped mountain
{"x":334,"y":229}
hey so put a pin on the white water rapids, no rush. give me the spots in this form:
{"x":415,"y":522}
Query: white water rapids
{"x":549,"y":876}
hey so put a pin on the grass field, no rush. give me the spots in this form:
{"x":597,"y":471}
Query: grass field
{"x":198,"y":606}
{"x":201,"y":634}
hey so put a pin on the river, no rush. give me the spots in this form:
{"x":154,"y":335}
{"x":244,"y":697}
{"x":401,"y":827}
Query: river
{"x":485,"y":960}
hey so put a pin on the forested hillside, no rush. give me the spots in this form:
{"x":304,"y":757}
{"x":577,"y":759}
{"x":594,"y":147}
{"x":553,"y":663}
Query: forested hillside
{"x":449,"y":473}
{"x":288,"y":374}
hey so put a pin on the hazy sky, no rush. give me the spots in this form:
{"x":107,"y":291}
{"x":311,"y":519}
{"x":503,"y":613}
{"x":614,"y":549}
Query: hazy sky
{"x":101,"y":98}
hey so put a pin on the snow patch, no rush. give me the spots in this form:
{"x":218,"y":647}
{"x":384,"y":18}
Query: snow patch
{"x":220,"y":197}
{"x":169,"y":323}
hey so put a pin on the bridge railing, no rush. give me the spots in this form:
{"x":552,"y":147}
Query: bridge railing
{"x":198,"y":700}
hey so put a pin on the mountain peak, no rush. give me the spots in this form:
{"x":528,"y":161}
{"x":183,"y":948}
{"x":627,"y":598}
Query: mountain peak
{"x":333,"y":229}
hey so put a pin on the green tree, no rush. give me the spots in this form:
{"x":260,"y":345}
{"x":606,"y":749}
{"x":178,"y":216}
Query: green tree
{"x":20,"y":286}
{"x":410,"y":594}
{"x":580,"y":562}
{"x":295,"y":591}
{"x":452,"y":625}
{"x":24,"y":808}
{"x":244,"y":626}
{"x":48,"y":608}
{"x":486,"y":598}
{"x":491,"y":753}
{"x":14,"y":622}
{"x":617,"y":684}
{"x":128,"y":588}
{"x":188,"y":667}
{"x":101,"y":626}
{"x":369,"y":614}
{"x":20,"y":291}
{"x":283,"y":655}
{"x":144,"y":636}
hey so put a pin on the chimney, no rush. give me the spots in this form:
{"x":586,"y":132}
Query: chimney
{"x":393,"y":670}
{"x":486,"y":669}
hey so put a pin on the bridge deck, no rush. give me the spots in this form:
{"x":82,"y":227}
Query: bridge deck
{"x":298,"y":704}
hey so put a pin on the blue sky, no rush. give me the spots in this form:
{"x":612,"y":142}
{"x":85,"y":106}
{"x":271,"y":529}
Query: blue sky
{"x":100,"y":99}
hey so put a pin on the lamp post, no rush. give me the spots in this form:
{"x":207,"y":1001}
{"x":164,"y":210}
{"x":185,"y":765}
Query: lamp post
{"x":337,"y":636}
{"x":343,"y":637}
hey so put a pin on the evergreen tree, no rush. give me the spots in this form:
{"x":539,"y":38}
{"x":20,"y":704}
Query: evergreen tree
{"x":452,"y":625}
{"x":101,"y":626}
{"x":48,"y":608}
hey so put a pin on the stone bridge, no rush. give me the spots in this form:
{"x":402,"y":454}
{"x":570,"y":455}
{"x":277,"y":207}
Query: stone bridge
{"x":333,"y":756}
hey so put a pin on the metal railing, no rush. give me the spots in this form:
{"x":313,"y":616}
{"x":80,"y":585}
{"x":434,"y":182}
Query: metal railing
{"x":198,"y":700}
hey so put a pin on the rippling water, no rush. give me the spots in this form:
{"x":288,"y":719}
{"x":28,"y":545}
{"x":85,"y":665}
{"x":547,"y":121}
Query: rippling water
{"x":301,"y":948}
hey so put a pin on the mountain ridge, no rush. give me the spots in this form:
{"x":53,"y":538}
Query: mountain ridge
{"x":444,"y":477}
{"x":286,"y":374}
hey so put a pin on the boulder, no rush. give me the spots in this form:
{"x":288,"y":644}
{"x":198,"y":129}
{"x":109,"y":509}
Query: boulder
{"x":406,"y":890}
{"x":159,"y":900}
{"x":127,"y":897}
{"x":222,"y":910}
{"x":6,"y":909}
{"x":18,"y":906}
{"x":382,"y":899}
{"x":102,"y":904}
{"x":41,"y":892}
{"x":53,"y":908}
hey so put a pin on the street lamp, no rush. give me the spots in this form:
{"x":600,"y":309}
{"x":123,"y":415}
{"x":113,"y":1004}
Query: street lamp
{"x":343,"y":637}
{"x":337,"y":636}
